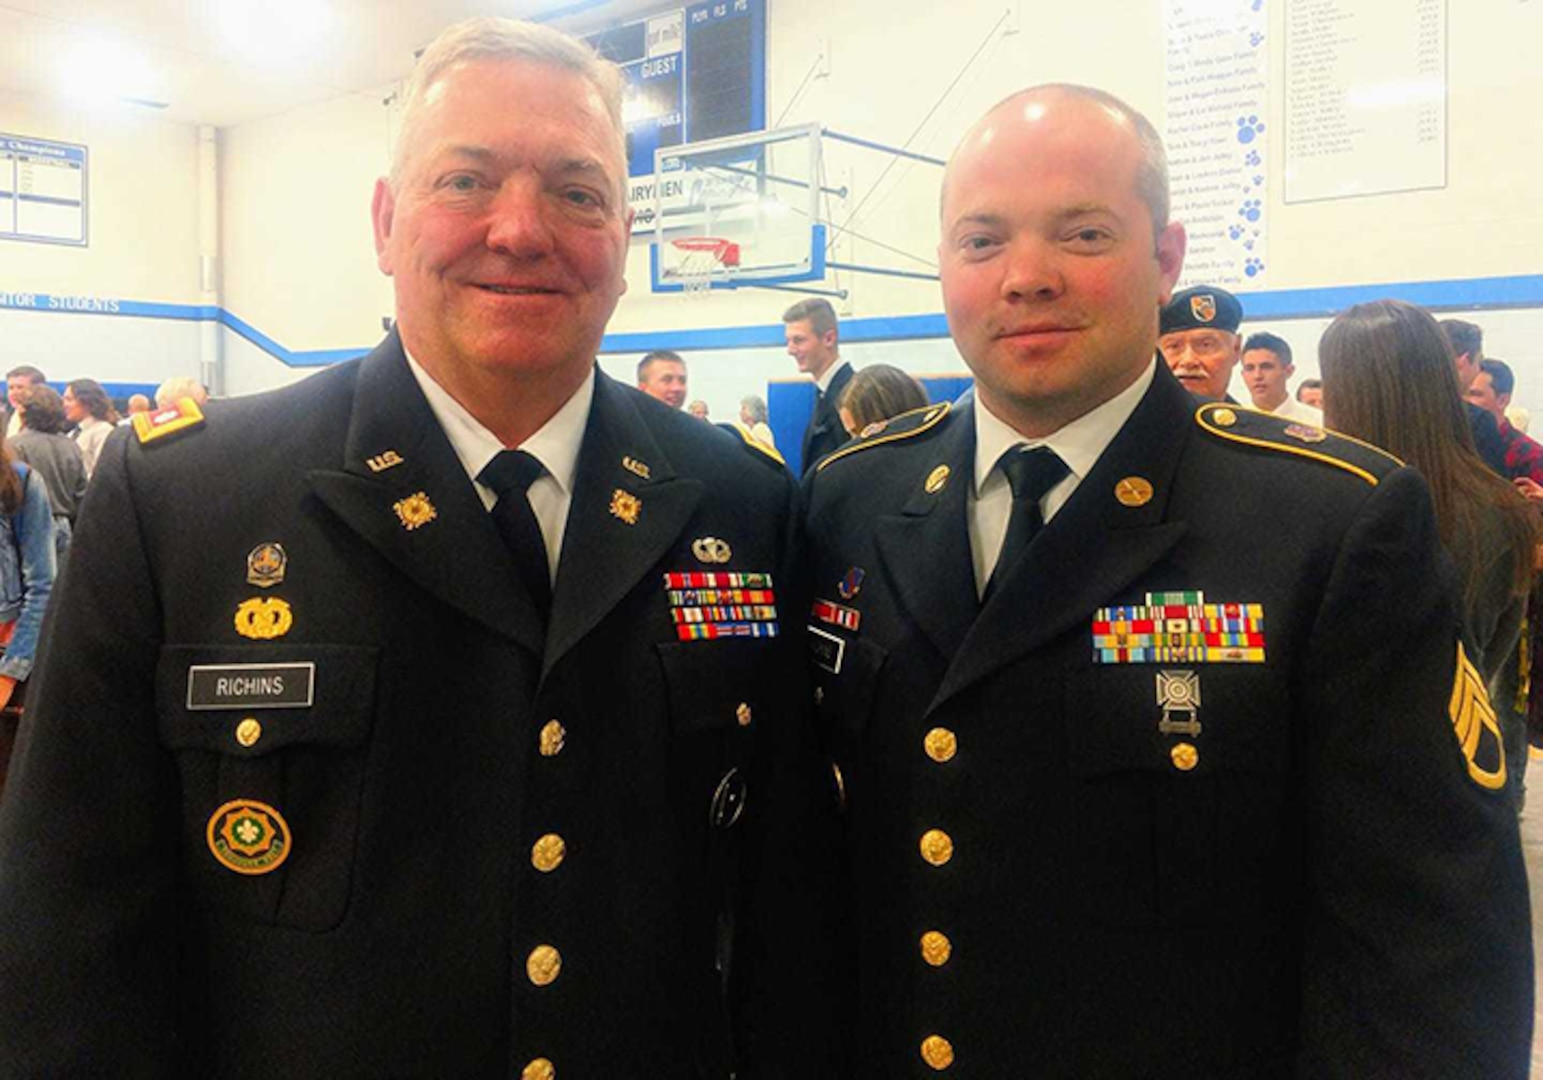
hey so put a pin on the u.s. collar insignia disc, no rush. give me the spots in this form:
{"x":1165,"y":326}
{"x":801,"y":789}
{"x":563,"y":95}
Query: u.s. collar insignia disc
{"x":248,"y":836}
{"x":711,"y":550}
{"x":263,"y":618}
{"x":625,"y":506}
{"x":415,"y":511}
{"x":265,"y":565}
{"x":1133,"y":491}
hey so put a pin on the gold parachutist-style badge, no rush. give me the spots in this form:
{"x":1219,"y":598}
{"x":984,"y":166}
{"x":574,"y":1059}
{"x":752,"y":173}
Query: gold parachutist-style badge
{"x":248,"y":836}
{"x":711,"y":550}
{"x":415,"y":511}
{"x":263,"y":618}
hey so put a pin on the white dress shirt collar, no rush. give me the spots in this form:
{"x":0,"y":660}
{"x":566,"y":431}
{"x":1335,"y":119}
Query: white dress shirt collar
{"x":824,"y":381}
{"x":556,"y":444}
{"x":1080,"y":443}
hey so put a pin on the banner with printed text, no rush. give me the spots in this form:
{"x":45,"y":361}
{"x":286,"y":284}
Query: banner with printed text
{"x":1218,"y":140}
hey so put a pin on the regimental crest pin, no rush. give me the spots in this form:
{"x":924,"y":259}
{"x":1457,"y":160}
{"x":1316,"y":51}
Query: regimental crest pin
{"x":264,"y":618}
{"x":850,"y":583}
{"x":265,"y":565}
{"x":1178,"y":694}
{"x":1305,"y":433}
{"x":711,"y":550}
{"x":383,"y":461}
{"x":415,"y":511}
{"x":1203,"y":306}
{"x":625,"y":506}
{"x":248,"y":836}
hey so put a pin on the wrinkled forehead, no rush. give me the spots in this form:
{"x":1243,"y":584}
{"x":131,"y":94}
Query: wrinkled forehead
{"x":1203,"y":337}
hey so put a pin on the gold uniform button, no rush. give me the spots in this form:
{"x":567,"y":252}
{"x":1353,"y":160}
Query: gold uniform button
{"x":941,"y":744}
{"x":540,"y":1069}
{"x":742,"y":714}
{"x":249,"y":731}
{"x":1224,"y":417}
{"x":937,"y":846}
{"x":937,"y":1052}
{"x":936,"y":948}
{"x":1185,"y":757}
{"x":547,"y":854}
{"x":553,"y":736}
{"x":543,"y":965}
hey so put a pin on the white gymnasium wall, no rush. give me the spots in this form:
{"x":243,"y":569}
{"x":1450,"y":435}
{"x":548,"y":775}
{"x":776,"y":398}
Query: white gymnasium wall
{"x":298,"y":261}
{"x":142,"y":246}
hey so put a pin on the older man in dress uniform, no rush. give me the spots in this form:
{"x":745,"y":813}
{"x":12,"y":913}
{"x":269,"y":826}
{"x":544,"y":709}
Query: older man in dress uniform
{"x":1160,"y":753}
{"x":432,"y":718}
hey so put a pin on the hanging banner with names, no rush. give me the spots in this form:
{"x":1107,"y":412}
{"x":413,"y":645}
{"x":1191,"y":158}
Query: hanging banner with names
{"x":1366,"y":97}
{"x":1217,"y":68}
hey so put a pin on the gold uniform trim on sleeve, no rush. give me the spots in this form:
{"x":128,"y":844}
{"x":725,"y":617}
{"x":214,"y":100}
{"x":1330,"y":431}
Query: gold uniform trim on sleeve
{"x":931,"y":416}
{"x":1472,"y":715}
{"x":1208,"y":417}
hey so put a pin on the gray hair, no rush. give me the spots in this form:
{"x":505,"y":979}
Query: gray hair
{"x":1151,"y":175}
{"x":754,"y":407}
{"x":507,"y":40}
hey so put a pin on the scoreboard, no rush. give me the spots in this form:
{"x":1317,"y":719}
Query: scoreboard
{"x":692,"y":73}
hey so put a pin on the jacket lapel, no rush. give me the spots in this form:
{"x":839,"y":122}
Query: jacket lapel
{"x":445,"y":541}
{"x":621,"y":524}
{"x":926,"y":547}
{"x":1093,"y":548}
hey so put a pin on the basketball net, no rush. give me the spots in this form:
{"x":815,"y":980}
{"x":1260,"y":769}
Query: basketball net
{"x":700,"y":260}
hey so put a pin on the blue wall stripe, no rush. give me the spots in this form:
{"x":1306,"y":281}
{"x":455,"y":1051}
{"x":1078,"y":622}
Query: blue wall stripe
{"x":1473,"y":294}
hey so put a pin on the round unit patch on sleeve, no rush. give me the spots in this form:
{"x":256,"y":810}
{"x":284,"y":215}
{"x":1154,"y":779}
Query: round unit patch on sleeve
{"x":249,"y":837}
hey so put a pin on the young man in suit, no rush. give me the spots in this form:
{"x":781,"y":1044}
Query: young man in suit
{"x":811,"y":334}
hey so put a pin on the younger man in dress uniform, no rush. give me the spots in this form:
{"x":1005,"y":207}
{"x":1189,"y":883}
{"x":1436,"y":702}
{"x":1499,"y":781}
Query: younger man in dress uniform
{"x":1120,"y":802}
{"x":456,"y":739}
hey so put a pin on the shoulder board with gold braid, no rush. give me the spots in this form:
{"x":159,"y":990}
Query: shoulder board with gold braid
{"x":906,"y":425}
{"x":757,"y":444}
{"x":184,"y":415}
{"x":1250,"y":427}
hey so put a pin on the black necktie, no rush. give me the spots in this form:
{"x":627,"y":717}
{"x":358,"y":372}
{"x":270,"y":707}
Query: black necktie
{"x":1031,"y":473}
{"x":509,"y":474}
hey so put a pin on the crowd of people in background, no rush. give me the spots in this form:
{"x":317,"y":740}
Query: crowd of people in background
{"x":53,"y":441}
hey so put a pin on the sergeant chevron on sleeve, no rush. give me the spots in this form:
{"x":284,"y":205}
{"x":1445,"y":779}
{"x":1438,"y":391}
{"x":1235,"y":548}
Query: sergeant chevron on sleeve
{"x":1158,"y":748}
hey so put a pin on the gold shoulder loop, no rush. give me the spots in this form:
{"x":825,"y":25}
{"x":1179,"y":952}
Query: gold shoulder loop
{"x":1251,"y":427}
{"x":906,"y":425}
{"x":757,"y":444}
{"x":185,"y":415}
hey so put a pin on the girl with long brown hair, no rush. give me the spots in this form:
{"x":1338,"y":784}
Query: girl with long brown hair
{"x":1388,"y":378}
